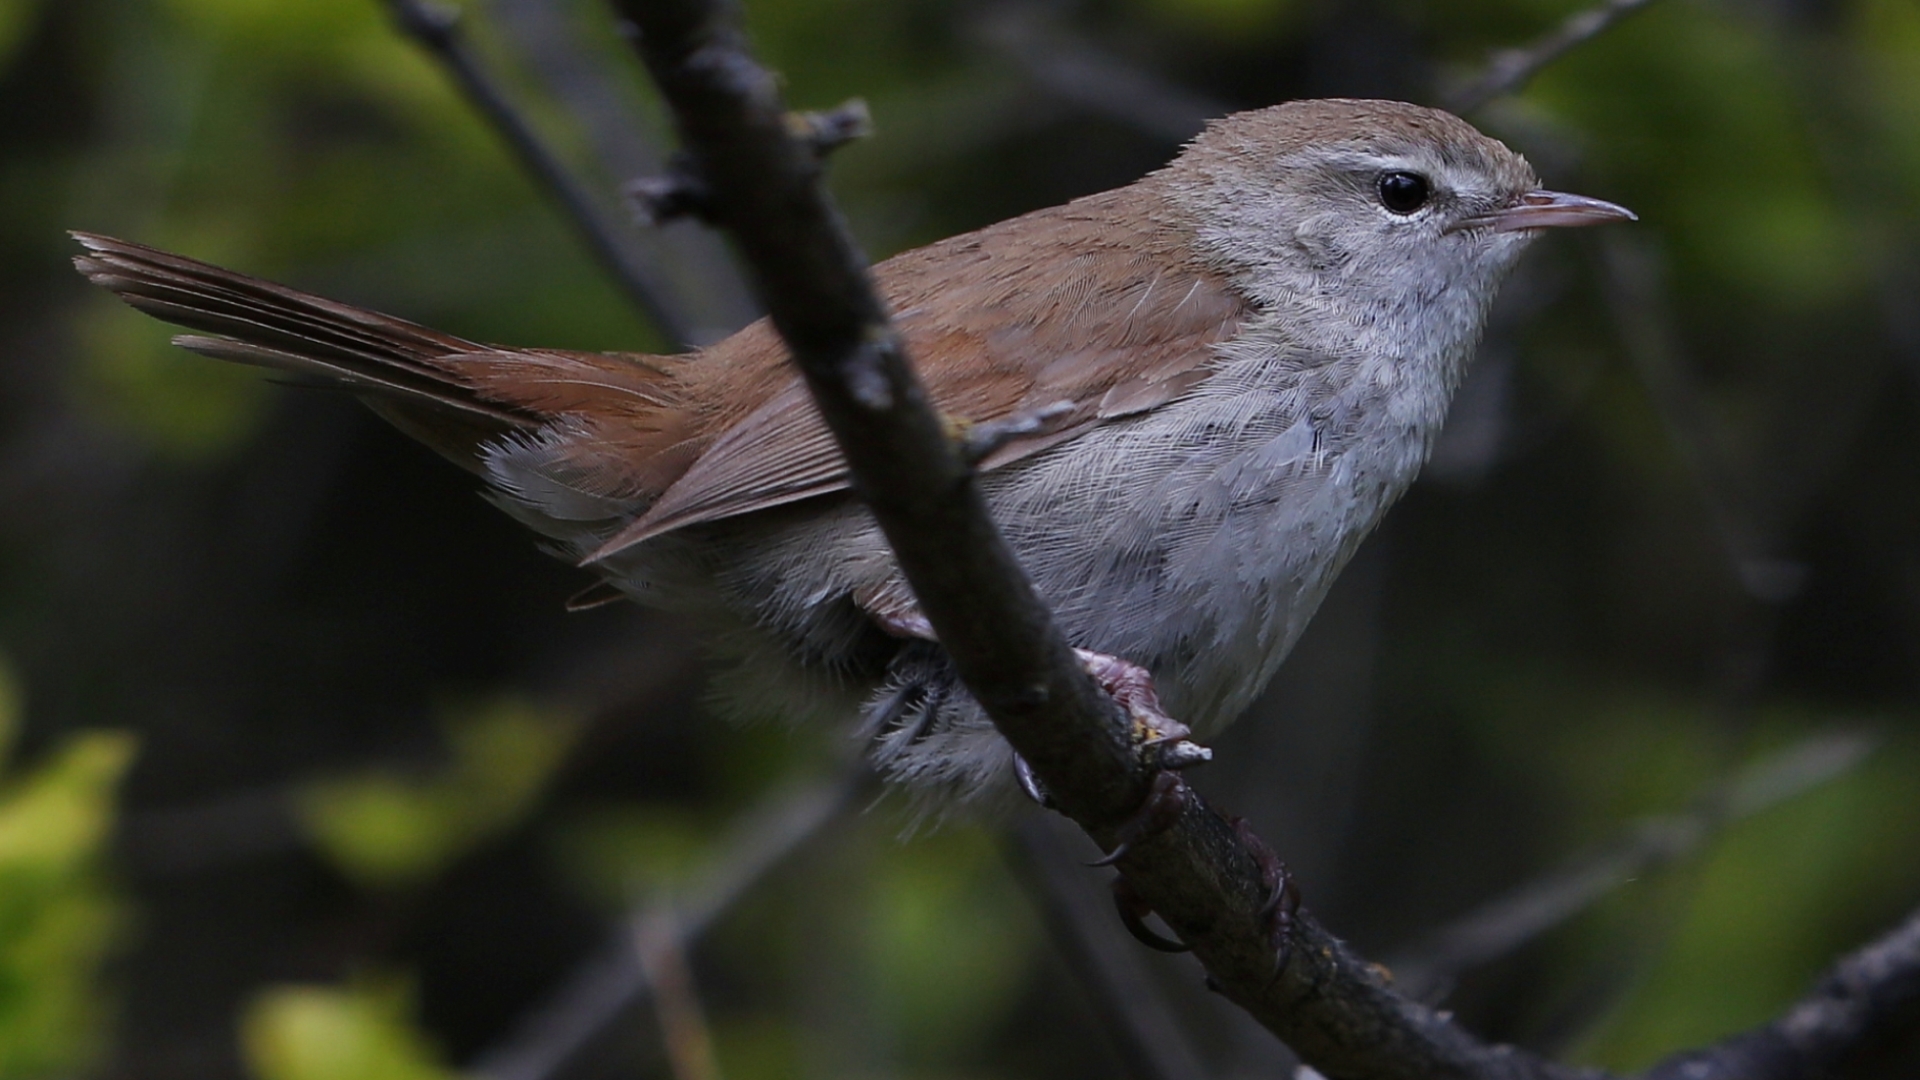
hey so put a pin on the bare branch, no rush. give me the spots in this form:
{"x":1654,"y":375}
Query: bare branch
{"x":1510,"y":69}
{"x":437,"y":28}
{"x":765,"y":189}
{"x":1511,"y":921}
{"x":586,"y":76}
{"x":609,"y":982}
{"x":830,"y":129}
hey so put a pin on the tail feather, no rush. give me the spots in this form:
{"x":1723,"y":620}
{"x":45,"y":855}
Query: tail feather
{"x":409,"y":374}
{"x":458,"y":396}
{"x":273,"y":326}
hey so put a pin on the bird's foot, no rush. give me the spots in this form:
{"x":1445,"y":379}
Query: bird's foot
{"x":1166,"y":799}
{"x":1283,"y":899}
{"x":1133,"y":916}
{"x":1131,"y":686}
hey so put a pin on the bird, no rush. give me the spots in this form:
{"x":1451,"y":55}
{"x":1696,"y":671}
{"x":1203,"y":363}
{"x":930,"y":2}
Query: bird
{"x":1217,"y":379}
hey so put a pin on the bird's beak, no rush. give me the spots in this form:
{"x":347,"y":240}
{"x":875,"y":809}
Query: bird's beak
{"x":1547,"y":210}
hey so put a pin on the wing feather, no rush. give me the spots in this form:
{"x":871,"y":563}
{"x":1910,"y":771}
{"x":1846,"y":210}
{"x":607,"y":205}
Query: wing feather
{"x":1052,"y":307}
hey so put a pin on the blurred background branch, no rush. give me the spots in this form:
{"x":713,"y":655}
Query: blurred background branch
{"x":1502,"y":925}
{"x":1508,"y":70}
{"x":607,"y":985}
{"x":277,"y":595}
{"x":436,"y":26}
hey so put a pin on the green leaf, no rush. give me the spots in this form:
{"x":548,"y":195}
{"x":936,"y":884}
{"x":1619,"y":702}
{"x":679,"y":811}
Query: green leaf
{"x":388,"y":829}
{"x":323,"y":1033}
{"x":57,"y":919}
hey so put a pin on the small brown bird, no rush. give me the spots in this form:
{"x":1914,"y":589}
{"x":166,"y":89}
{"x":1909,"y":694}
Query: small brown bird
{"x":1245,"y":358}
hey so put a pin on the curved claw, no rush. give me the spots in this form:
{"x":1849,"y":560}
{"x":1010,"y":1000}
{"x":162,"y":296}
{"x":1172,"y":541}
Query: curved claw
{"x":1283,"y":899}
{"x":1030,"y":785}
{"x":1279,"y":911}
{"x":1162,"y":806}
{"x":1133,"y":915}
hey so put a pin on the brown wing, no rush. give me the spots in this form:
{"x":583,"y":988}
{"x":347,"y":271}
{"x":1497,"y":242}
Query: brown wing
{"x":1060,"y":306}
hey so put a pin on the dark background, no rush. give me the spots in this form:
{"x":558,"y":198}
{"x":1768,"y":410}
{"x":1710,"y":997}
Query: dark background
{"x":312,"y":776}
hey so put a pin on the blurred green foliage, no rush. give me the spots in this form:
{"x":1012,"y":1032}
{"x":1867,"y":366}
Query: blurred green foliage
{"x":945,"y":906}
{"x":1546,"y":662}
{"x":1782,"y":878}
{"x":388,"y":829}
{"x":16,"y":19}
{"x":364,"y":1032}
{"x":58,"y":917}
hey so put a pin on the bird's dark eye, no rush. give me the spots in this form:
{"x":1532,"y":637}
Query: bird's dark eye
{"x":1403,"y":192}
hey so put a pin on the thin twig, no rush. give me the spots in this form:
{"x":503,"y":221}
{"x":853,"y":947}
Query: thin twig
{"x":587,"y":78}
{"x":1505,"y":924}
{"x":659,"y":941}
{"x":1105,"y":963}
{"x":1510,"y":69}
{"x":437,"y":28}
{"x":614,"y":979}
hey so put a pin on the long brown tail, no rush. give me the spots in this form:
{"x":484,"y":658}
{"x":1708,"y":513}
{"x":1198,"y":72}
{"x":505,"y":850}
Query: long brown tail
{"x":407,"y":372}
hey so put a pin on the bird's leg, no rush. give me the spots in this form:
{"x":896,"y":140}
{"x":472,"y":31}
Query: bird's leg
{"x":1166,"y":799}
{"x":890,"y":712}
{"x":1131,"y":686}
{"x":906,"y":713}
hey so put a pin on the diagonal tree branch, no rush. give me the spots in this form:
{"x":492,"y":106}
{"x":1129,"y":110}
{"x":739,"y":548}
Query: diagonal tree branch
{"x":1504,"y":924}
{"x":1510,"y":69}
{"x":763,"y":184}
{"x":683,"y":1021}
{"x":601,"y":988}
{"x":437,"y":28}
{"x":1080,"y":72}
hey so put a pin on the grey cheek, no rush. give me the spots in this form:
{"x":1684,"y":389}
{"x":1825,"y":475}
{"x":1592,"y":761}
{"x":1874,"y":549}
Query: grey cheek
{"x":1321,"y":241}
